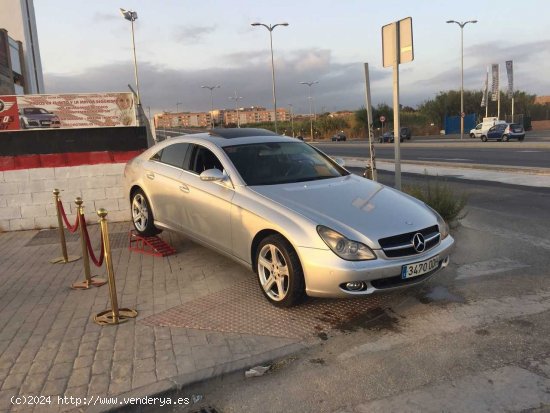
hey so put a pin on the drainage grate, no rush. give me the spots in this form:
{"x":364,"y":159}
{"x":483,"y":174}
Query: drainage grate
{"x":243,"y":309}
{"x":51,"y":236}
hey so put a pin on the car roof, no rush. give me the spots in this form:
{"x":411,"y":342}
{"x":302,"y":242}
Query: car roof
{"x":234,"y":136}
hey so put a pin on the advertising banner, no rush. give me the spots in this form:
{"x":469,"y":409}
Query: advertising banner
{"x":89,"y":110}
{"x":495,"y":85}
{"x":510,"y":72}
{"x":485,"y":90}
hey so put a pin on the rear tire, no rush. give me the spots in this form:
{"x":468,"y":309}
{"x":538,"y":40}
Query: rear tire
{"x":142,"y":215}
{"x":505,"y":138}
{"x":484,"y":138}
{"x":279,"y":271}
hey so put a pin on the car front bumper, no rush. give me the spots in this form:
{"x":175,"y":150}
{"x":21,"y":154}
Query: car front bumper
{"x":325,"y":273}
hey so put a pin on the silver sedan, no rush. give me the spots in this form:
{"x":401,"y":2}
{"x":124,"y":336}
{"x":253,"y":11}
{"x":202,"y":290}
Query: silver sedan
{"x":303,"y":223}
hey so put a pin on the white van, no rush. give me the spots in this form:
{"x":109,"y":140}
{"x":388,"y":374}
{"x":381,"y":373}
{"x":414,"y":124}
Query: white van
{"x":484,"y":126}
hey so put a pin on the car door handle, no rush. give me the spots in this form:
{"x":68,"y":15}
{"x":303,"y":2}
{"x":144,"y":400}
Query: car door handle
{"x":184,"y":188}
{"x":150,"y":175}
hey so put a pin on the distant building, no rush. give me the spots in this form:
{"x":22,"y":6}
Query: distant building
{"x":20,"y":64}
{"x":221,"y":117}
{"x":542,"y":100}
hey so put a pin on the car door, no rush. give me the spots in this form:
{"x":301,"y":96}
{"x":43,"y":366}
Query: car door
{"x":163,"y":174}
{"x":207,"y":203}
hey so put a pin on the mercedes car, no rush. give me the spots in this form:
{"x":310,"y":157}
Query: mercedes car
{"x":31,"y":118}
{"x":296,"y":217}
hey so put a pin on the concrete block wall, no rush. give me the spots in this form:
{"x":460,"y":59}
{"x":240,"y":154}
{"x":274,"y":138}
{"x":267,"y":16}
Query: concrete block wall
{"x":26,"y":198}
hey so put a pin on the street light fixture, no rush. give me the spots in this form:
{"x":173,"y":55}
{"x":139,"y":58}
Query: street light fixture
{"x":462,"y":24}
{"x":211,"y":88}
{"x":270,"y":28}
{"x":132,"y":16}
{"x":236,"y":98}
{"x":310,"y":104}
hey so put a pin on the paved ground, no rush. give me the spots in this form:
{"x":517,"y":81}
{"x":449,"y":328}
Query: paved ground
{"x":198,"y":317}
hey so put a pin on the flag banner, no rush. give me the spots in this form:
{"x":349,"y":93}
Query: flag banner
{"x":495,"y":85}
{"x":510,"y":72}
{"x":485,"y":90}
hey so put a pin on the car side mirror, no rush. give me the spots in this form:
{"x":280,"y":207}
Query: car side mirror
{"x":212,"y":175}
{"x":340,"y":162}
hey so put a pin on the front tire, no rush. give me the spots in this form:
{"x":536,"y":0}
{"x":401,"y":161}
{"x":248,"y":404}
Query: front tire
{"x":279,"y":272}
{"x":484,"y":138}
{"x":142,"y":216}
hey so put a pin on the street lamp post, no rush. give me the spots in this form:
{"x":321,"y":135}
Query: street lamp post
{"x":211,"y":88}
{"x":270,"y":28}
{"x":462,"y":24}
{"x":132,"y":17}
{"x":310,"y":97}
{"x":291,"y":119}
{"x":236,"y":98}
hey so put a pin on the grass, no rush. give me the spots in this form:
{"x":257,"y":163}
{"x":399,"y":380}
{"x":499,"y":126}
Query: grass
{"x":441,"y":197}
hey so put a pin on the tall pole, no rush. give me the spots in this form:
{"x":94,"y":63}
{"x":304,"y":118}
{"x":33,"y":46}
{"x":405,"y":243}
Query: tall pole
{"x":310,"y":97}
{"x":291,"y":119}
{"x":498,"y":94}
{"x":135,"y":62}
{"x":270,"y":29}
{"x":396,"y":128}
{"x":236,"y":98}
{"x":461,"y":25}
{"x":211,"y":88}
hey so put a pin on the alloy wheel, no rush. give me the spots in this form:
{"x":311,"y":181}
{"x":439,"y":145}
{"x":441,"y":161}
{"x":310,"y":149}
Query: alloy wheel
{"x":140,"y":213}
{"x":273,"y":272}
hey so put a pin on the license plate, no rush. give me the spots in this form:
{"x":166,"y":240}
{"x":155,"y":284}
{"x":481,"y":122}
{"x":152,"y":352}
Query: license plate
{"x":419,"y":268}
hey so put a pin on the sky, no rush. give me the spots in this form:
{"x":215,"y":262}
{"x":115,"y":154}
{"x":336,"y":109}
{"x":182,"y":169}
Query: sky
{"x":181,"y":45}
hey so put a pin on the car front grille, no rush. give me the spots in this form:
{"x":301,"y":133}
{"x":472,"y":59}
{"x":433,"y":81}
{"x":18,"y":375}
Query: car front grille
{"x":402,"y":245}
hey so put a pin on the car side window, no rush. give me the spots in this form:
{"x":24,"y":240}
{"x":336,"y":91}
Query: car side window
{"x":156,"y":156}
{"x":174,"y":155}
{"x":202,"y":159}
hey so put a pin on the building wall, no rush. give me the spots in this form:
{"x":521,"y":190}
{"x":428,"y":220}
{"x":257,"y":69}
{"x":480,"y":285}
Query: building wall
{"x":26,"y":198}
{"x":17,"y":17}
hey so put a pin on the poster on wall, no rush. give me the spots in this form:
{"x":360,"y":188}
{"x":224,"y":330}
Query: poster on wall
{"x":89,"y":110}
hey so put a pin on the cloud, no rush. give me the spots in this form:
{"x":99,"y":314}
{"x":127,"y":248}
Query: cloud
{"x":193,"y":34}
{"x":101,"y":17}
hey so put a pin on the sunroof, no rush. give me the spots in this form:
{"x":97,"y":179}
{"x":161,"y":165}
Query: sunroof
{"x":229,"y":133}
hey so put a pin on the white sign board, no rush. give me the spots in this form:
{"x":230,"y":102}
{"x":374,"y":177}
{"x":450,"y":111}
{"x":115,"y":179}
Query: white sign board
{"x":403,"y":29}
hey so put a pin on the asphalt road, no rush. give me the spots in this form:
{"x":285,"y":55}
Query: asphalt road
{"x":474,"y":152}
{"x":473,"y":338}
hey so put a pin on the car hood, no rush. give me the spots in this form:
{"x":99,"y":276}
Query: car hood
{"x":358,"y":208}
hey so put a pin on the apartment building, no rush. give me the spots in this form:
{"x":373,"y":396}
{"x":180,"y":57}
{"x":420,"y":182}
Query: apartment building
{"x":241,"y":116}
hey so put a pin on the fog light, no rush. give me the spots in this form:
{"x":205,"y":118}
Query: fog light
{"x":354,"y":285}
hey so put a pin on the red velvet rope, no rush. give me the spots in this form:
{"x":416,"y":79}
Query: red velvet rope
{"x":71,"y":228}
{"x":97,"y":262}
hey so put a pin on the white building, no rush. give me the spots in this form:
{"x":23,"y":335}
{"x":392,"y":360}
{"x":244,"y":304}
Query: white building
{"x":17,"y":17}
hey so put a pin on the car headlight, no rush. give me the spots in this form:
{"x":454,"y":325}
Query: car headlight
{"x":443,"y":227}
{"x":343,"y":247}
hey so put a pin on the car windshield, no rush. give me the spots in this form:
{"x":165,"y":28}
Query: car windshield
{"x":272,"y":163}
{"x":35,"y":111}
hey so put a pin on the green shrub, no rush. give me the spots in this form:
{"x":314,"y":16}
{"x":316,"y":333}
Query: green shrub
{"x":441,"y":197}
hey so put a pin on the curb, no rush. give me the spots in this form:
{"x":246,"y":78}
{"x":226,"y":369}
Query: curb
{"x":168,"y":387}
{"x":482,"y":167}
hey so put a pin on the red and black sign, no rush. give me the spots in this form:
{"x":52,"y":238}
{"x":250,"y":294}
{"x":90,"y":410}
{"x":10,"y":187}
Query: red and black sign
{"x":9,"y":113}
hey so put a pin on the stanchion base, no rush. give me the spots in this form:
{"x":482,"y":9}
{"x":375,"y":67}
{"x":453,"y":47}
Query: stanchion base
{"x":85,"y":285}
{"x":61,"y":260}
{"x":107,"y":318}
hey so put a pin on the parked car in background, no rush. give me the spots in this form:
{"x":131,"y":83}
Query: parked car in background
{"x":513,"y":131}
{"x":339,"y":137}
{"x":285,"y":210}
{"x":494,"y":133}
{"x":388,"y":137}
{"x":405,"y":133}
{"x":31,"y":118}
{"x":484,"y":126}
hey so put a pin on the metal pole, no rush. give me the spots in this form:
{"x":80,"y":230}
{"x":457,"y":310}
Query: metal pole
{"x":64,"y":259}
{"x":498,"y":93}
{"x":310,"y":118}
{"x":373,"y":174}
{"x":461,"y":81}
{"x":396,"y":130}
{"x":273,"y":76}
{"x":212,"y":107}
{"x":135,"y":64}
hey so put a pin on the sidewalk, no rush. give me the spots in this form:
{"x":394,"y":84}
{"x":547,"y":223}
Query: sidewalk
{"x":200,"y":315}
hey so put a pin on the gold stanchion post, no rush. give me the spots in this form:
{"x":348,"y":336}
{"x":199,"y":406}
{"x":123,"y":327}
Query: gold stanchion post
{"x":89,"y":281}
{"x":65,"y":258}
{"x":114,"y":315}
